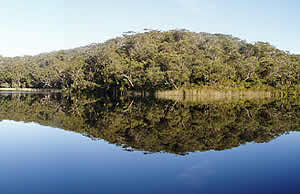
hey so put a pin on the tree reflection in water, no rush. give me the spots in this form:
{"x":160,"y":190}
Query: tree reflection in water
{"x":156,"y":125}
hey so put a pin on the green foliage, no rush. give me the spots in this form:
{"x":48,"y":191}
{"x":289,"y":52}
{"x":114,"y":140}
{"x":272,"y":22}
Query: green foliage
{"x":157,"y":60}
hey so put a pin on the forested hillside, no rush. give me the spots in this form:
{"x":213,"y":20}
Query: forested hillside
{"x":156,"y":60}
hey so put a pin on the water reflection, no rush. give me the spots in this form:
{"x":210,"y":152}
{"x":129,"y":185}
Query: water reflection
{"x":153,"y":125}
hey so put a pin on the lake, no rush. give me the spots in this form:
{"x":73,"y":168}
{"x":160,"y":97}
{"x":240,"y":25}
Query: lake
{"x":56,"y":143}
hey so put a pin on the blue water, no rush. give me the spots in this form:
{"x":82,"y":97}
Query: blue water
{"x":39,"y":159}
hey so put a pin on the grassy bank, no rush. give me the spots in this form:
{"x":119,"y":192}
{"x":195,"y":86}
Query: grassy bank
{"x":208,"y":95}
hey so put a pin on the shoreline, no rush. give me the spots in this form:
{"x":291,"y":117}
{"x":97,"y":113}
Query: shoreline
{"x":29,"y":90}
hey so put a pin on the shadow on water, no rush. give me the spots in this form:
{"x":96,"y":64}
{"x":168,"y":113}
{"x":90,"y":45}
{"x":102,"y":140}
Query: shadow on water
{"x":158,"y":125}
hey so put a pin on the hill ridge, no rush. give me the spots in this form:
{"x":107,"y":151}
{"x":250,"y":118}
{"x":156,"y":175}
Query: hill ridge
{"x":156,"y":60}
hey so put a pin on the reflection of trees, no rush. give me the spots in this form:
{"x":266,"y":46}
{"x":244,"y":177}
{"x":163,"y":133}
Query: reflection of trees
{"x":153,"y":126}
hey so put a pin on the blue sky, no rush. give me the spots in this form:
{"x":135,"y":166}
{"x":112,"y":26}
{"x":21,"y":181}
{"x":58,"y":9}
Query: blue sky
{"x":34,"y":26}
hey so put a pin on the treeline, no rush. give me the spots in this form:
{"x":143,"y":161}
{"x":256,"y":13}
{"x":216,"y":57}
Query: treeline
{"x":157,"y":125}
{"x":55,"y":70}
{"x":157,"y":60}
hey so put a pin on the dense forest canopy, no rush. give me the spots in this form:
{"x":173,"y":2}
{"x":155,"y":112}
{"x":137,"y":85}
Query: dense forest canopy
{"x":153,"y":125}
{"x":156,"y":60}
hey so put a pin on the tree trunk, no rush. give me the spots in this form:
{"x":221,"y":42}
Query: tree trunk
{"x":128,"y":80}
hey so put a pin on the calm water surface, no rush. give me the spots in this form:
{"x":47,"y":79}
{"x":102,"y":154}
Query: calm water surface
{"x":50,"y":143}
